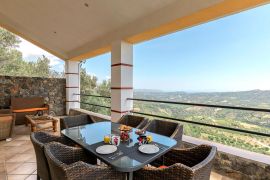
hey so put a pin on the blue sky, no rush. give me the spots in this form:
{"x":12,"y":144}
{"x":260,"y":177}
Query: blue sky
{"x":228,"y":54}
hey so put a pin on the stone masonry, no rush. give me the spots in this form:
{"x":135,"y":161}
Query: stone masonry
{"x":52,"y":89}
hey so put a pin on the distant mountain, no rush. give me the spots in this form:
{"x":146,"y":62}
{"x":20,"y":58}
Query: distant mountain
{"x":147,"y":90}
{"x":253,"y":98}
{"x":239,"y":119}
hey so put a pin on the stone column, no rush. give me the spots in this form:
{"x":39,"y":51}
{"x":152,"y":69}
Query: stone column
{"x":121,"y":79}
{"x":72,"y":84}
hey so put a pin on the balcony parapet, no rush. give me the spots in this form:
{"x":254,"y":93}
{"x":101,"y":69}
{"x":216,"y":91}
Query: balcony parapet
{"x":234,"y":162}
{"x":230,"y":161}
{"x":96,"y":116}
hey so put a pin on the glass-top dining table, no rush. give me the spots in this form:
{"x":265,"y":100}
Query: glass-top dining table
{"x":127,"y":158}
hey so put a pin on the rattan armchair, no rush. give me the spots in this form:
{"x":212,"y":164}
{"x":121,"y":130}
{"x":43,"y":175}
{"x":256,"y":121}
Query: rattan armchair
{"x":133,"y":121}
{"x":167,"y":128}
{"x":71,"y":163}
{"x":182,"y":164}
{"x":73,"y":121}
{"x":7,"y":122}
{"x":39,"y":139}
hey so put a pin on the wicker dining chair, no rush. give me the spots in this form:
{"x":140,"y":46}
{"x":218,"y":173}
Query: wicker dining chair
{"x":39,"y":139}
{"x":7,"y":122}
{"x":167,"y":128}
{"x":72,"y":121}
{"x":71,"y":163}
{"x":181,"y":164}
{"x":133,"y":121}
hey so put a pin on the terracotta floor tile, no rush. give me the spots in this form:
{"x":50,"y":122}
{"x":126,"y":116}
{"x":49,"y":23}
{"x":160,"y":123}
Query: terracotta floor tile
{"x":24,"y":148}
{"x":31,"y":177}
{"x":20,"y":158}
{"x":12,"y":166}
{"x":32,"y":158}
{"x":12,"y":150}
{"x":15,"y":143}
{"x":17,"y":177}
{"x":28,"y":149}
{"x":3,"y":176}
{"x":25,"y":168}
{"x":22,"y":137}
{"x":28,"y":142}
{"x":2,"y":158}
{"x":3,"y":142}
{"x":8,"y":156}
{"x":2,"y":168}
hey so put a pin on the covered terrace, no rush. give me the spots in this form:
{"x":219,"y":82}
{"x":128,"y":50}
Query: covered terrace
{"x":81,"y":29}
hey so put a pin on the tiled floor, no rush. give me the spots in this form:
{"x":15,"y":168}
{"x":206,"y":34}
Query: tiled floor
{"x":18,"y":162}
{"x":17,"y":157}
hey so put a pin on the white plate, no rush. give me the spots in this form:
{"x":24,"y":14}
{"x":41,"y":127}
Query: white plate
{"x":148,"y":149}
{"x":106,"y":149}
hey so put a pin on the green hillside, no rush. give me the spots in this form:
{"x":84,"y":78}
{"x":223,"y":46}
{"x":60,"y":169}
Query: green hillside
{"x":249,"y":120}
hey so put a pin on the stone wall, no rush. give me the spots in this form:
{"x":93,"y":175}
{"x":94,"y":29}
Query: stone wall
{"x":240,"y":168}
{"x":52,"y":89}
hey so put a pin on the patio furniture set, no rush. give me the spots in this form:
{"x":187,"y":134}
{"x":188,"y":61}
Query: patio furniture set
{"x":74,"y":154}
{"x":23,"y":111}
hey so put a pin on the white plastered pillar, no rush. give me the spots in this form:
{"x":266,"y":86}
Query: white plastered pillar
{"x":121,"y":79}
{"x":72,"y":72}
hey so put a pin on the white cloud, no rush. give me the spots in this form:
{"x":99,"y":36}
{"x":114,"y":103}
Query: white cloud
{"x":28,"y":49}
{"x":32,"y":52}
{"x":108,"y":77}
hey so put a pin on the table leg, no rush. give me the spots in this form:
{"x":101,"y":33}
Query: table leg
{"x":54,"y":126}
{"x":26,"y":122}
{"x":33,"y":128}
